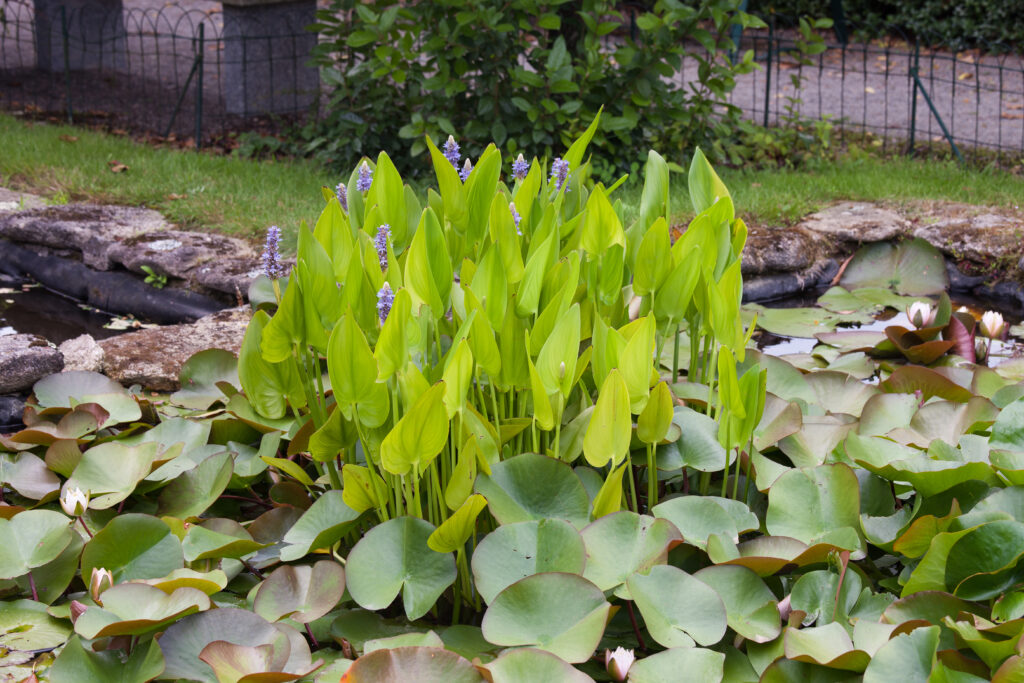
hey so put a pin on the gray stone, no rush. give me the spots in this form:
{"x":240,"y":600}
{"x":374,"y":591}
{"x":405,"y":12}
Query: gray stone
{"x":11,"y":201}
{"x":82,"y":353}
{"x":11,"y":410}
{"x":95,"y":35}
{"x":190,"y":256}
{"x":987,"y":240}
{"x":153,"y":357}
{"x":781,"y":250}
{"x":88,"y":228}
{"x":959,"y":282}
{"x":266,"y":49}
{"x":24,"y":360}
{"x":857,"y":222}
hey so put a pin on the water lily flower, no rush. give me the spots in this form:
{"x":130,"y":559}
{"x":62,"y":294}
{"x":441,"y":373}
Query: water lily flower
{"x":74,"y":501}
{"x":101,"y":580}
{"x":385,"y":299}
{"x":341,"y":192}
{"x":381,"y":243}
{"x":467,"y":168}
{"x":272,"y":267}
{"x":921,"y":314}
{"x":981,"y":350}
{"x":559,"y":172}
{"x":451,"y":151}
{"x":365,"y":178}
{"x":618,"y":662}
{"x":515,"y":216}
{"x":77,"y":610}
{"x":992,"y":324}
{"x":520,"y":168}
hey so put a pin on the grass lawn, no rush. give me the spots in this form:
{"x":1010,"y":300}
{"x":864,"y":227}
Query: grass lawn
{"x":242,"y":197}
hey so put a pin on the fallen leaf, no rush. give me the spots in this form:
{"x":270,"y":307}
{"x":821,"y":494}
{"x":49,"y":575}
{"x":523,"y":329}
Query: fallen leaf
{"x":1007,"y":115}
{"x":869,"y":89}
{"x":965,"y":76}
{"x":116,"y":166}
{"x":176,"y":196}
{"x":68,"y":138}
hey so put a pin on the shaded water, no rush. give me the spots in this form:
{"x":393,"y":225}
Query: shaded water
{"x":35,"y":310}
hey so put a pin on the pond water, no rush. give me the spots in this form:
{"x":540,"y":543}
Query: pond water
{"x":33,"y":309}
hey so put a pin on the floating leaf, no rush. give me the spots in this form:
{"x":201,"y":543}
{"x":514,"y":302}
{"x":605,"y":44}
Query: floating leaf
{"x":533,"y":486}
{"x":133,"y":546}
{"x":67,"y":389}
{"x":751,"y":608}
{"x":678,"y":608}
{"x":623,"y":543}
{"x":698,"y":517}
{"x":913,"y":267}
{"x":412,"y":664}
{"x":327,"y":520}
{"x":201,"y":374}
{"x":31,"y":539}
{"x":699,"y":664}
{"x":81,"y":664}
{"x":816,"y":505}
{"x":137,"y":608}
{"x":530,"y":664}
{"x":302,"y":593}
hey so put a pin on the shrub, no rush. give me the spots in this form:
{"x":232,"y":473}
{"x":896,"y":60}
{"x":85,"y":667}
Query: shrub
{"x":528,"y":74}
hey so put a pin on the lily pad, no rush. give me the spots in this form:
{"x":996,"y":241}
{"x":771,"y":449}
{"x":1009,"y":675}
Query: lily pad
{"x":133,"y":546}
{"x":67,"y":389}
{"x":412,"y":664}
{"x":514,"y":551}
{"x":914,"y":268}
{"x":137,"y":608}
{"x":31,"y":539}
{"x":111,"y":471}
{"x":393,"y":558}
{"x":327,"y":520}
{"x":625,"y":542}
{"x":699,"y":664}
{"x":28,"y":475}
{"x":561,"y":613}
{"x":698,"y":517}
{"x":816,"y":505}
{"x":678,"y":609}
{"x":301,"y":593}
{"x":83,"y":665}
{"x":534,"y":486}
{"x":751,"y":608}
{"x":25,"y":627}
{"x":201,"y":374}
{"x":531,"y":664}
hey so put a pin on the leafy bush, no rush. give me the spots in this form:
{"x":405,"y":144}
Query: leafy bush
{"x":528,"y":75}
{"x":967,"y":23}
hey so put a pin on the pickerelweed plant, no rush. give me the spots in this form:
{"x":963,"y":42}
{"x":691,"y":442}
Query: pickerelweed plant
{"x":485,"y":321}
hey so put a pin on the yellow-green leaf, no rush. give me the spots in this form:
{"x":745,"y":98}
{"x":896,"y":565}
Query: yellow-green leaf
{"x":456,"y":530}
{"x":610,"y":428}
{"x":654,"y":422}
{"x":419,"y":436}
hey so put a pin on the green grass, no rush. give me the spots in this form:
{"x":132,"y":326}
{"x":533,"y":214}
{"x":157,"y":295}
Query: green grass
{"x":242,"y":197}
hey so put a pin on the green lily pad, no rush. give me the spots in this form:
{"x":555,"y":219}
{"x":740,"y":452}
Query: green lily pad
{"x":802,"y":322}
{"x":326,"y":521}
{"x":234,"y":663}
{"x":68,"y":389}
{"x":301,"y":593}
{"x":216,"y":538}
{"x":133,"y":546}
{"x":25,"y":627}
{"x":359,"y":626}
{"x":914,"y":268}
{"x":751,"y":608}
{"x":625,"y":542}
{"x":699,"y":448}
{"x":111,"y":471}
{"x":698,"y":517}
{"x":208,"y":582}
{"x":191,"y":493}
{"x":531,"y":664}
{"x":514,"y":551}
{"x":678,"y":609}
{"x":393,"y":558}
{"x":534,"y":486}
{"x":416,"y":639}
{"x":137,"y":608}
{"x":28,"y":475}
{"x":829,"y":645}
{"x":816,"y":505}
{"x":31,"y":539}
{"x":83,"y":665}
{"x":766,"y":555}
{"x":412,"y":664}
{"x":907,"y":657}
{"x":884,"y":412}
{"x":909,"y":379}
{"x":560,"y":613}
{"x":201,"y":374}
{"x":699,"y":664}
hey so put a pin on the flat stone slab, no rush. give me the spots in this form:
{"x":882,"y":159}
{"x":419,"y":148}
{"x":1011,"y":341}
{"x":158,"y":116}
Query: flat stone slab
{"x":153,"y":357}
{"x":986,"y":240}
{"x":24,"y":360}
{"x":857,"y":222}
{"x":11,"y":201}
{"x":782,"y":249}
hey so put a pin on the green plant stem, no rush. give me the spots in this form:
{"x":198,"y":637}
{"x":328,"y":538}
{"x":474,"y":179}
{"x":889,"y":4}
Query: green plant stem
{"x":652,"y":476}
{"x":725,"y":472}
{"x":705,"y":482}
{"x":381,"y":496}
{"x":494,"y":403}
{"x":632,"y":485}
{"x":675,"y":356}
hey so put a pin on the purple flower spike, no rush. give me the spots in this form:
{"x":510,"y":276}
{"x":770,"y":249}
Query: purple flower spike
{"x":520,"y":168}
{"x":381,"y":243}
{"x":559,"y":172}
{"x":451,"y":151}
{"x":515,"y":216}
{"x":365,"y":178}
{"x":341,"y":192}
{"x":272,"y":267}
{"x":466,"y":170}
{"x":385,"y":299}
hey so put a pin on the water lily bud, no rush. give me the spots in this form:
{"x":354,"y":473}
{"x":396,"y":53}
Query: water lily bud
{"x":980,"y":350}
{"x":618,"y":663}
{"x":74,"y":501}
{"x":100,"y":581}
{"x":77,"y":609}
{"x":920,"y":314}
{"x":785,"y":608}
{"x":992,"y":324}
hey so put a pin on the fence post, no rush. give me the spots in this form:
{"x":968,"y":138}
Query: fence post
{"x":913,"y":95}
{"x":839,"y":21}
{"x":67,"y":61}
{"x":768,"y":69}
{"x":199,"y":85}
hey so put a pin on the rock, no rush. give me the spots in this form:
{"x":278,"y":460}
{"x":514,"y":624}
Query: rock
{"x":960,"y":282}
{"x":24,"y":360}
{"x":153,"y":357}
{"x":89,"y":228}
{"x":11,"y":410}
{"x":781,"y":250}
{"x":989,"y":240}
{"x":11,"y":201}
{"x":780,"y":285}
{"x":857,"y":222}
{"x":82,"y":353}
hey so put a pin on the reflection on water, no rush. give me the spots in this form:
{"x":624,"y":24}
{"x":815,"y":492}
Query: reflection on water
{"x":38,"y":311}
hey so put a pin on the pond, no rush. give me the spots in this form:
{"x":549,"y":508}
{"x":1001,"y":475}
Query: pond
{"x":33,"y":309}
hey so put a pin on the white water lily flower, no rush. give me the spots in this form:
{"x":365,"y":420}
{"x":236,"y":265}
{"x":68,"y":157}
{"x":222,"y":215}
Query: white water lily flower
{"x":618,"y":662}
{"x":992,"y":324}
{"x":101,"y":580}
{"x":920,"y":314}
{"x":74,"y":501}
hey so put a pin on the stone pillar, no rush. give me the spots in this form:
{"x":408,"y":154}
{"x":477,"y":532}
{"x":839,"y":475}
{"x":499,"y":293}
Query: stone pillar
{"x":96,"y":35}
{"x":266,"y":51}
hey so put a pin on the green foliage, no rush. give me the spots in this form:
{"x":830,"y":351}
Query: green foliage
{"x":529,"y":75}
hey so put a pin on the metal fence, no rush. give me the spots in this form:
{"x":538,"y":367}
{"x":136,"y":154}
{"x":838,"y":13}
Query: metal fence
{"x":190,"y":70}
{"x":198,"y":69}
{"x":906,"y":91}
